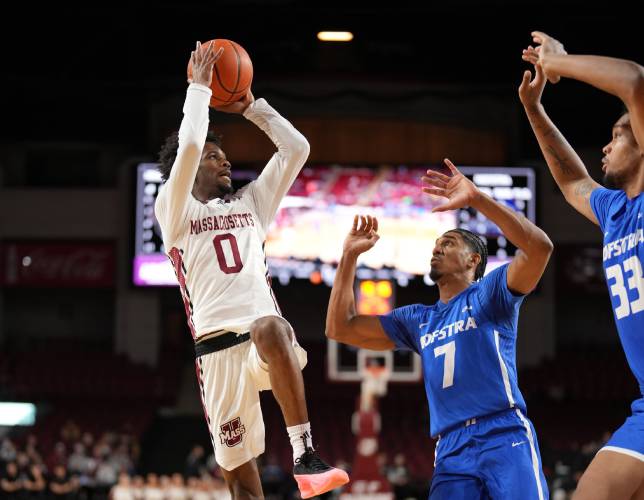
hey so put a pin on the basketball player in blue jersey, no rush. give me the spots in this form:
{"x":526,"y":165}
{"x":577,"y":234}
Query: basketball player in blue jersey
{"x":487,"y":448}
{"x":617,"y":471}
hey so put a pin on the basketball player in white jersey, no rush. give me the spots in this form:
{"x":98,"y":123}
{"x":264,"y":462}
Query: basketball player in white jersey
{"x":214,"y":238}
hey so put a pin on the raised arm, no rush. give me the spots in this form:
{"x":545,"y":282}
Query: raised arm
{"x":566,"y":167}
{"x":620,"y":77}
{"x":283,"y":167}
{"x":171,"y":204}
{"x":342,"y":323}
{"x":534,"y":246}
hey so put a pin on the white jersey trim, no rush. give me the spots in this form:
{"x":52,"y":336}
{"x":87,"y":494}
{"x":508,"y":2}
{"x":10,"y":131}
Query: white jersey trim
{"x":623,"y":451}
{"x":533,"y":452}
{"x":504,"y":371}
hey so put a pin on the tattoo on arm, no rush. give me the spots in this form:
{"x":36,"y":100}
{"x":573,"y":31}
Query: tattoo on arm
{"x":584,"y":188}
{"x":555,"y":146}
{"x":562,"y":162}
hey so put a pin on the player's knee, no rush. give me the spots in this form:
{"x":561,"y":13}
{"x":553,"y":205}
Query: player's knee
{"x":271,"y":332}
{"x":588,"y":487}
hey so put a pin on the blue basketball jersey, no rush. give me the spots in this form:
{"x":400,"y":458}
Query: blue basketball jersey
{"x":467,"y":348}
{"x":622,"y":221}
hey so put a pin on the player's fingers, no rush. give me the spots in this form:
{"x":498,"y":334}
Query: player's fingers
{"x":375,"y":225}
{"x":526,"y":79}
{"x":363,"y":224}
{"x":538,"y":75}
{"x":530,"y":59}
{"x":434,"y":191}
{"x":354,"y":227}
{"x":429,"y":184}
{"x":367,"y":229}
{"x":217,"y":54}
{"x":436,"y":177}
{"x":433,"y":181}
{"x":538,"y":36}
{"x":451,"y":166}
{"x":441,"y":208}
{"x":208,"y":54}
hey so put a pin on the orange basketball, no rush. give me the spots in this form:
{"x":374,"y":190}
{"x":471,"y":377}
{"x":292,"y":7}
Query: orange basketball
{"x":232,"y":73}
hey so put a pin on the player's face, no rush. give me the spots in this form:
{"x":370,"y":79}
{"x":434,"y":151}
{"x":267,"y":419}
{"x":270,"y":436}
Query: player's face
{"x":622,"y":156}
{"x":214,"y":169}
{"x":451,"y":255}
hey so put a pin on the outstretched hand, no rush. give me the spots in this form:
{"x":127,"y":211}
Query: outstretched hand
{"x":202,"y":62}
{"x":363,"y":235}
{"x":546,"y":46}
{"x":531,"y":89}
{"x":458,"y":189}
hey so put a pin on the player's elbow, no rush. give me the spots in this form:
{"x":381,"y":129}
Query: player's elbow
{"x":300,"y":148}
{"x":332,"y":331}
{"x":335,"y":331}
{"x":542,"y":245}
{"x":635,"y":87}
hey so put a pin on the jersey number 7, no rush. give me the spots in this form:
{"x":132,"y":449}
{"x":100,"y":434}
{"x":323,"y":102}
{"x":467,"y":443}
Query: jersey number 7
{"x":449,"y":350}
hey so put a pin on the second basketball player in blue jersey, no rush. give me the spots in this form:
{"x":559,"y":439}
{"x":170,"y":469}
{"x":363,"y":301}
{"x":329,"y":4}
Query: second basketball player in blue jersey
{"x":617,"y":471}
{"x":487,"y":447}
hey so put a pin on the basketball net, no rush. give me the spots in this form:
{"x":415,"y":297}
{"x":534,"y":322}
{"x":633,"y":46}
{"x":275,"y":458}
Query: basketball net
{"x":373,"y":385}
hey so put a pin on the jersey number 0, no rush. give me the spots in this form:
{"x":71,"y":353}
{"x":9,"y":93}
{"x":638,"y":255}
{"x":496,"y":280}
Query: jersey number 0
{"x":221,"y":256}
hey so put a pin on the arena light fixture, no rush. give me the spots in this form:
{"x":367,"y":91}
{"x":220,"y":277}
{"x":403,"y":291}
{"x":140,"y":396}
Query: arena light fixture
{"x":335,"y":36}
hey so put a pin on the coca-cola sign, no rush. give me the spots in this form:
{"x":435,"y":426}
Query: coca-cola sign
{"x":46,"y":264}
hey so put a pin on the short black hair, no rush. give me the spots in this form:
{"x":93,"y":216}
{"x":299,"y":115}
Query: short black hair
{"x":168,"y":152}
{"x":477,"y":245}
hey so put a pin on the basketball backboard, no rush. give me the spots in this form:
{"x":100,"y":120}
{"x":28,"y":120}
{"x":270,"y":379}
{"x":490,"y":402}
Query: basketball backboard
{"x":347,"y":364}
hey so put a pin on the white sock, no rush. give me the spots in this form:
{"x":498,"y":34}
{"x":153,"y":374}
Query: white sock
{"x":301,"y":439}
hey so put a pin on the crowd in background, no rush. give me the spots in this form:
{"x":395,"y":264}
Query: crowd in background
{"x":83,"y":466}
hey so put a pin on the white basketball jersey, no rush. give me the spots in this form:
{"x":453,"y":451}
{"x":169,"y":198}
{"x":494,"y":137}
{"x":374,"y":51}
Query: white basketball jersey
{"x":216,"y":248}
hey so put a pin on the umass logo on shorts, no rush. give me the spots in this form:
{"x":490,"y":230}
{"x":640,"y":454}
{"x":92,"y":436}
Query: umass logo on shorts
{"x":232,"y":432}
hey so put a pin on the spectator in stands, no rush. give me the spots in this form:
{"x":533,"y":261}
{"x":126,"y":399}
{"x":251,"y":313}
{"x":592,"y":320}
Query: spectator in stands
{"x":152,"y":489}
{"x":138,"y":488}
{"x":272,"y":476}
{"x":80,"y":464}
{"x":62,"y":484}
{"x":34,"y":482}
{"x":164,"y":484}
{"x":123,"y":489}
{"x":10,"y":483}
{"x":176,"y":491}
{"x":7,"y":451}
{"x":121,"y":459}
{"x":70,"y":433}
{"x":58,"y":456}
{"x":398,"y":475}
{"x":88,"y":440}
{"x":31,"y":449}
{"x":219,"y":490}
{"x":195,"y":462}
{"x":106,"y":474}
{"x":22,"y":461}
{"x":192,"y":485}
